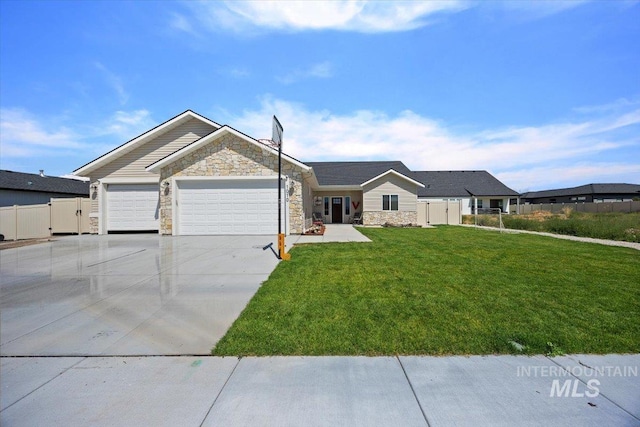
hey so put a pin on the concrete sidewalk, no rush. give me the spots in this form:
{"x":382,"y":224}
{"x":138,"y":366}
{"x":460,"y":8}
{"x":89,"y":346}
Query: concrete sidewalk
{"x":332,"y":233}
{"x":579,"y":390}
{"x":619,"y":243}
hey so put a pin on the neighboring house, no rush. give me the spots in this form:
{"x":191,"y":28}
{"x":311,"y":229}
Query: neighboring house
{"x":192,"y":176}
{"x":585,"y":194}
{"x":17,"y":188}
{"x":474,"y":189}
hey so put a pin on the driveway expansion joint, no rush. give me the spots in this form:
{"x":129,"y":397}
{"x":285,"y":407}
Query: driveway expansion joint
{"x":413,"y":391}
{"x":604,"y":396}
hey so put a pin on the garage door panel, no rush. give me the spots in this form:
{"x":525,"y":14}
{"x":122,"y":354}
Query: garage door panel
{"x":227,"y":207}
{"x":132,"y":207}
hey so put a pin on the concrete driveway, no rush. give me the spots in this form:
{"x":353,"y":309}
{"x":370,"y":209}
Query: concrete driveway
{"x":127,"y":294}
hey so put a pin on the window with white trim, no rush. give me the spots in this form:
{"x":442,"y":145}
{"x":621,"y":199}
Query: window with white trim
{"x":390,"y":202}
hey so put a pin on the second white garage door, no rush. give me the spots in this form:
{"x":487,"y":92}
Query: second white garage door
{"x":228,"y":206}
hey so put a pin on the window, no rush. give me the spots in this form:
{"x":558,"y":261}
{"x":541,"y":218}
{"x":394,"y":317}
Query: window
{"x":326,"y":206}
{"x":347,"y":208}
{"x":390,"y":202}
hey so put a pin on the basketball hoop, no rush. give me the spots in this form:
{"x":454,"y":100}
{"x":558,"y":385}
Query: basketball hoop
{"x":269,"y":143}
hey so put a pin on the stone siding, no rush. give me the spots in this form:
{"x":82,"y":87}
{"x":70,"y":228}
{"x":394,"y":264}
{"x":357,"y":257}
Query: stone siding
{"x":391,"y":217}
{"x":230,"y":155}
{"x":93,"y":225}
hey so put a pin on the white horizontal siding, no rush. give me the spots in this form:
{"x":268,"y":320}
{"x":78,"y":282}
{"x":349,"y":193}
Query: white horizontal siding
{"x":133,"y":163}
{"x":389,"y":184}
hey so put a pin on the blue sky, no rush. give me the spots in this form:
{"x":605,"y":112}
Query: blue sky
{"x":542,"y":94}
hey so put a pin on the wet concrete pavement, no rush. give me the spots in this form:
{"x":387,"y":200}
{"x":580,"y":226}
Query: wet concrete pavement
{"x":127,"y":295}
{"x":116,"y":330}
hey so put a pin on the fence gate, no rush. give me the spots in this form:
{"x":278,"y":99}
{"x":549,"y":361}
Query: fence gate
{"x":70,"y":215}
{"x":435,"y":212}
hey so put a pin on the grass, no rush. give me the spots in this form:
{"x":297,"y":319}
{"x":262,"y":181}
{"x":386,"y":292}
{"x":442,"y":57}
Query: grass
{"x":443,"y":291}
{"x":612,"y":226}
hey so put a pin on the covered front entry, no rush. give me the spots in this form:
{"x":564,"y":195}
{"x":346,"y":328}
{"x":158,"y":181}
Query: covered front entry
{"x":338,"y":207}
{"x":228,"y":206}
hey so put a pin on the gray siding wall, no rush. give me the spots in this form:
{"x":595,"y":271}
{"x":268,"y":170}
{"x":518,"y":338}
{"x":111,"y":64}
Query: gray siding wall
{"x":22,"y":198}
{"x":390,"y":184}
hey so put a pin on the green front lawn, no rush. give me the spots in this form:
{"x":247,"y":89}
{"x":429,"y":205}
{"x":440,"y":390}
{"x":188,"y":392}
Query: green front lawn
{"x":448,"y":290}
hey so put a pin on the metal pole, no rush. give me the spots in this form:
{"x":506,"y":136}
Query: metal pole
{"x":279,"y":197}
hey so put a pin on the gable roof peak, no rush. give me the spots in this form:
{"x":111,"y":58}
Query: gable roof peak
{"x":142,"y":139}
{"x":156,"y":166}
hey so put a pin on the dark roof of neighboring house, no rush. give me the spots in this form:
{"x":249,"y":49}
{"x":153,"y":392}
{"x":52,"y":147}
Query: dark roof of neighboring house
{"x":587,"y":189}
{"x":460,"y":184}
{"x":354,"y":173}
{"x":10,"y":180}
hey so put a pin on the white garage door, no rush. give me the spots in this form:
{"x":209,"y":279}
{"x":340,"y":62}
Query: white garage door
{"x":132,"y":207}
{"x":228,"y":207}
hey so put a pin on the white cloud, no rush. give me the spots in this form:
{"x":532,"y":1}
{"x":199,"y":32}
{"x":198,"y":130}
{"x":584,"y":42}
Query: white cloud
{"x":426,"y":144}
{"x":548,"y":177}
{"x":22,"y":135}
{"x":128,"y":124}
{"x":115,"y":82}
{"x":363,"y":16}
{"x":25,"y":135}
{"x":538,"y":9}
{"x":235,"y":72}
{"x":621,"y":104}
{"x":181,"y":23}
{"x":322,"y":70}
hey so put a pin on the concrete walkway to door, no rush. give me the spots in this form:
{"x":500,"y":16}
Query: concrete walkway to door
{"x":332,"y":233}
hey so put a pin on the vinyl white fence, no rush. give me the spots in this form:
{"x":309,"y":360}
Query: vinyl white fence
{"x":59,"y":216}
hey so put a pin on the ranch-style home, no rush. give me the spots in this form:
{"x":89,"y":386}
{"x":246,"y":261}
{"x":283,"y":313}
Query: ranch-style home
{"x":193,"y":176}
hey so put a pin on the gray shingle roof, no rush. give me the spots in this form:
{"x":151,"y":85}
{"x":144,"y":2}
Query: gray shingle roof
{"x":588,"y":189}
{"x":460,"y":184}
{"x":10,"y":180}
{"x":354,"y":173}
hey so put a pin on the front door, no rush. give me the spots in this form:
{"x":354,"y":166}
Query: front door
{"x":336,"y":210}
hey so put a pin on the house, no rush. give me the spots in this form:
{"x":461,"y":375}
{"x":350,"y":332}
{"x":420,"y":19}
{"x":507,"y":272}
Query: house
{"x":476,"y":189}
{"x":589,"y":193}
{"x":192,"y":176}
{"x":382,"y":191}
{"x":18,"y":188}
